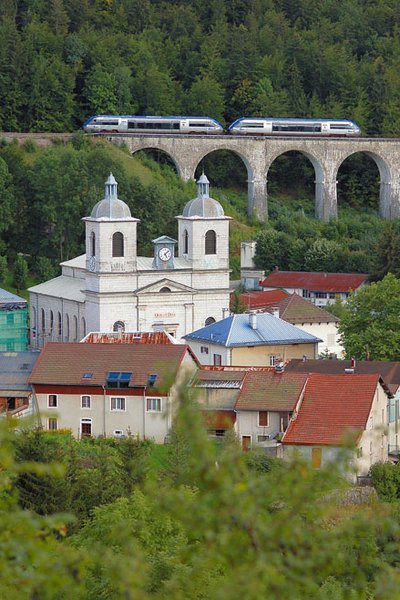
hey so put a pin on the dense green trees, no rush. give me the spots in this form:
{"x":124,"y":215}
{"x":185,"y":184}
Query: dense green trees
{"x":60,"y":61}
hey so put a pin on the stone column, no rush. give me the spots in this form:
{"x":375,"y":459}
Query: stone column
{"x":325,"y":200}
{"x":385,"y":199}
{"x":394,"y":207}
{"x":257,"y":202}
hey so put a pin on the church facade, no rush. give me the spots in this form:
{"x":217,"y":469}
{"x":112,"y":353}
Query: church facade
{"x":182,"y":287}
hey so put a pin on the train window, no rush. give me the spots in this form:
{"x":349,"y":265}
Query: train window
{"x":141,"y":125}
{"x":110,"y":122}
{"x":164,"y":125}
{"x":276,"y":128}
{"x":340,"y":126}
{"x":254,"y":125}
{"x":132,"y":125}
{"x":176,"y":125}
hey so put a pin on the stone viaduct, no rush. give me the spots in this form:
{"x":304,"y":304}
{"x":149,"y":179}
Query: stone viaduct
{"x":258,"y":153}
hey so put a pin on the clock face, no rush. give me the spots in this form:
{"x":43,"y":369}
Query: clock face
{"x":92,"y":263}
{"x":164,"y":253}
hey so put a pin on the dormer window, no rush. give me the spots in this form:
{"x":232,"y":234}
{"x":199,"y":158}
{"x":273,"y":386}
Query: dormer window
{"x":118,"y":379}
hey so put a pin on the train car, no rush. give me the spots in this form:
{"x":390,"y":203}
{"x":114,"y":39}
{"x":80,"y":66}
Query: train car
{"x":142,"y":124}
{"x":289,"y":127}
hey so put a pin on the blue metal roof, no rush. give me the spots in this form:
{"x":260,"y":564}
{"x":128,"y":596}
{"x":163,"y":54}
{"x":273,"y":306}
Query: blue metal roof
{"x":15,"y":368}
{"x":12,"y":299}
{"x":236,"y":330}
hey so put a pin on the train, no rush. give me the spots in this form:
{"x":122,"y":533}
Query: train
{"x":207,"y":125}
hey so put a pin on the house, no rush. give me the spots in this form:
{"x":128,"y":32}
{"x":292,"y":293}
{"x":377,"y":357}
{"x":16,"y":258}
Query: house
{"x":264,"y":406}
{"x":13,"y":323}
{"x":103,"y":389}
{"x":250,"y":275}
{"x":16,"y":399}
{"x":335,"y":410}
{"x":319,"y":288}
{"x":388,"y":371}
{"x":299,"y":312}
{"x":183,"y":286}
{"x":251,"y":339}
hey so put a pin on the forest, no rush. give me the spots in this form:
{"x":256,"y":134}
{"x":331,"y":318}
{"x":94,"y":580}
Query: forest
{"x":112,"y":519}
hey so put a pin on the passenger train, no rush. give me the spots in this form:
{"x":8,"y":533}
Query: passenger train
{"x":207,"y":125}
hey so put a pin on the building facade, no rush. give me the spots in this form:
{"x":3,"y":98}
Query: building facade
{"x":182,"y":287}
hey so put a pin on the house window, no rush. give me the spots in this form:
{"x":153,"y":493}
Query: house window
{"x":217,"y":360}
{"x":185,"y":242}
{"x":263,"y":418}
{"x":153,"y":404}
{"x":52,"y":400}
{"x":262,"y":438}
{"x":321,"y":294}
{"x":316,"y":457}
{"x":85,"y":401}
{"x":118,"y":244}
{"x":118,"y":433}
{"x":86,"y":427}
{"x":10,"y":319}
{"x":211,"y":242}
{"x":118,"y":404}
{"x":165,"y":290}
{"x":203,"y":350}
{"x":52,"y":424}
{"x":359,"y":452}
{"x":272,"y":360}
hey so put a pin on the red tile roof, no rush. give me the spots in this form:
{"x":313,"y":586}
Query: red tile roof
{"x":146,"y":337}
{"x":268,"y":390}
{"x":66,"y":363}
{"x":332,"y":405}
{"x":324,"y":282}
{"x":253,"y":300}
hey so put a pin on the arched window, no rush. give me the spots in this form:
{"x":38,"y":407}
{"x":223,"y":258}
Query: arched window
{"x":93,"y":244}
{"x":119,"y":326}
{"x":83,"y":327}
{"x":165,"y":290}
{"x":211,"y":242}
{"x":59,"y":324}
{"x":43,"y":319}
{"x":67,"y":326}
{"x":75,"y":328}
{"x":185,"y":242}
{"x":33,"y":317}
{"x":118,"y":244}
{"x":209,"y":321}
{"x":51,"y":322}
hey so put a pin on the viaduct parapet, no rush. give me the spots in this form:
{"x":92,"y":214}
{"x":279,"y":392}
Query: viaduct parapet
{"x":258,"y":154}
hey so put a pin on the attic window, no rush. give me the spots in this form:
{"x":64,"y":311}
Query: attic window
{"x":152,"y":379}
{"x":118,"y":379}
{"x":24,"y":367}
{"x":87,"y":376}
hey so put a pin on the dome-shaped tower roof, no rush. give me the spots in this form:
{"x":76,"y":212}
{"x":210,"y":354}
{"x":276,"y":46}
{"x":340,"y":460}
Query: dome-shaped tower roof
{"x":111,"y":207}
{"x":203,"y":205}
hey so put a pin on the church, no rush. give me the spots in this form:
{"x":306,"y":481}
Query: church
{"x":182,"y":287}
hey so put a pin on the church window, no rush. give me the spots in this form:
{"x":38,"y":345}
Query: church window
{"x":211,"y":242}
{"x":43,"y":319}
{"x":93,"y":244}
{"x":185,"y":242}
{"x":67,"y":326}
{"x":33,"y":317}
{"x":59,"y":331}
{"x":75,"y":328}
{"x":119,"y":326}
{"x":118,"y":244}
{"x":209,"y":321}
{"x":83,"y":327}
{"x":51,"y":321}
{"x":165,"y":290}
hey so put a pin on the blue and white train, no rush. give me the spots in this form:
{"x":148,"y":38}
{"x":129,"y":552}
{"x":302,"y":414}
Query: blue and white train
{"x":142,"y":124}
{"x":289,"y":127}
{"x":207,"y":125}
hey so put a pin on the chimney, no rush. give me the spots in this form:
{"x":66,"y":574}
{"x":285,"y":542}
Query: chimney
{"x":253,"y":320}
{"x":275,"y":311}
{"x":225,"y":313}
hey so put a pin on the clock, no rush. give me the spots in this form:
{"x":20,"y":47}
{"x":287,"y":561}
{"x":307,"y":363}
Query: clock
{"x":164,"y":254}
{"x":92,"y":263}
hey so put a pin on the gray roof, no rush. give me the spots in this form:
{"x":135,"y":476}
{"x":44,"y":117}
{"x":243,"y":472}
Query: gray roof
{"x":203,"y":207}
{"x":69,"y":288}
{"x":111,"y":207}
{"x":9,"y":299}
{"x":236,"y":330}
{"x":15,"y":369}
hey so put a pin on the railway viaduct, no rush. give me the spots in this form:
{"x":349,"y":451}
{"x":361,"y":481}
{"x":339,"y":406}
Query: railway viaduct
{"x":258,"y":153}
